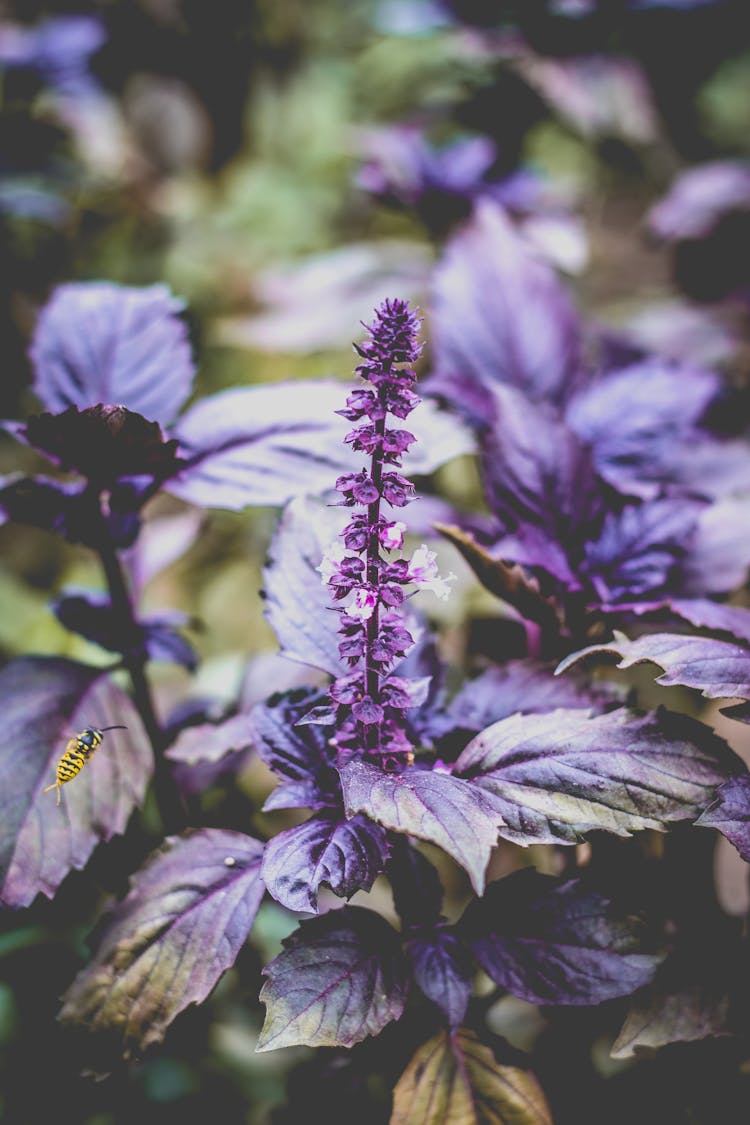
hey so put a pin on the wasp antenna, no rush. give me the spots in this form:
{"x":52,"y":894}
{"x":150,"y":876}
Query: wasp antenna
{"x":117,"y":726}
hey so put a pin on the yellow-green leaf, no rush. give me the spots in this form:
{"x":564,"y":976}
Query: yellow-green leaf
{"x":456,"y":1080}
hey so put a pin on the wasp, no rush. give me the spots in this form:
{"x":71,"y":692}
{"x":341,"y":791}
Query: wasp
{"x":79,"y":750}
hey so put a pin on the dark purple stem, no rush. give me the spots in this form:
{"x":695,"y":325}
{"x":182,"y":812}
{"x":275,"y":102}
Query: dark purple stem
{"x":373,"y":559}
{"x":168,"y":799}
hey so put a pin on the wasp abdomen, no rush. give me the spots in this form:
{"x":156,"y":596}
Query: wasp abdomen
{"x":77,"y":753}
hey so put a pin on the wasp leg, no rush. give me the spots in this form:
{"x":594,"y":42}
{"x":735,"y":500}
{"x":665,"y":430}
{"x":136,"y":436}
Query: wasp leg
{"x":56,"y":786}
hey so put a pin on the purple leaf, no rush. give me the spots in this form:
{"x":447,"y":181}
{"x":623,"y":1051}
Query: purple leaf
{"x":210,"y":742}
{"x":539,"y":474}
{"x":635,"y":420}
{"x":698,"y":199}
{"x":45,"y":701}
{"x":500,"y":316}
{"x":519,"y":686}
{"x":345,"y":854}
{"x":185,"y":919}
{"x":554,"y":941}
{"x":716,"y":668}
{"x":681,"y":331}
{"x":600,"y":94}
{"x":299,"y":754}
{"x":433,"y":806}
{"x":556,"y":776}
{"x":162,"y":541}
{"x":416,"y":887}
{"x":719,"y":555}
{"x":163,"y":642}
{"x":266,"y":445}
{"x":507,"y":581}
{"x":104,"y":444}
{"x":730,"y":813}
{"x":717,"y":616}
{"x":638,"y":548}
{"x":402,"y":165}
{"x":659,"y":1016}
{"x":298,"y":604}
{"x":90,"y":614}
{"x":340,"y":978}
{"x":97,"y":342}
{"x":59,"y":506}
{"x":59,"y":48}
{"x":453,"y":1078}
{"x":443,"y":971}
{"x":311,"y":305}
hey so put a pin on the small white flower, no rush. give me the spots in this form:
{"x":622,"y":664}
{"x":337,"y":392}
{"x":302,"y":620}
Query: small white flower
{"x":392,"y":535}
{"x":423,"y":572}
{"x":332,"y":557}
{"x":363,"y":605}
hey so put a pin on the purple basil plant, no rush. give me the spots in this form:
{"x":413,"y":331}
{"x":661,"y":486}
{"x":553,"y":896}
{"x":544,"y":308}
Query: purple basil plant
{"x":403,"y":779}
{"x":612,"y":482}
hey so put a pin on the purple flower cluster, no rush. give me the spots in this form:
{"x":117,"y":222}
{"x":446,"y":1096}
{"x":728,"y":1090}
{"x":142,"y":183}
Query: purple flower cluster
{"x":370,"y":702}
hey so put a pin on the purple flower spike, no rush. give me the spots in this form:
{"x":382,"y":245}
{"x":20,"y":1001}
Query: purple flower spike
{"x":368,"y":584}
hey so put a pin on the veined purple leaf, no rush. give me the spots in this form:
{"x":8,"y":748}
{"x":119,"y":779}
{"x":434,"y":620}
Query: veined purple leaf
{"x":433,"y":806}
{"x":45,"y":701}
{"x":188,"y":913}
{"x":298,"y":603}
{"x":454,"y":1078}
{"x":717,"y":616}
{"x":500,"y":316}
{"x":638,"y":549}
{"x":730,"y":813}
{"x":209,"y":742}
{"x":345,"y":854}
{"x":97,"y":342}
{"x":443,"y":971}
{"x":717,"y":669}
{"x":554,"y":941}
{"x":519,"y":686}
{"x":538,"y":477}
{"x":266,"y":445}
{"x":299,"y":754}
{"x":553,"y":777}
{"x":340,"y":978}
{"x":636,"y":420}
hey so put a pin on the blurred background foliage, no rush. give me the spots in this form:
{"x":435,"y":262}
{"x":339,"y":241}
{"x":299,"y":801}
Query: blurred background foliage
{"x":219,"y":147}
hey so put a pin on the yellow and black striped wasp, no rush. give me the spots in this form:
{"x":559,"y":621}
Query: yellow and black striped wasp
{"x":79,"y":750}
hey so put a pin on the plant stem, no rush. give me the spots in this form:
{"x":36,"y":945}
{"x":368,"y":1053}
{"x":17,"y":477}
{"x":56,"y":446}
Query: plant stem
{"x":373,"y":577}
{"x":168,"y":799}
